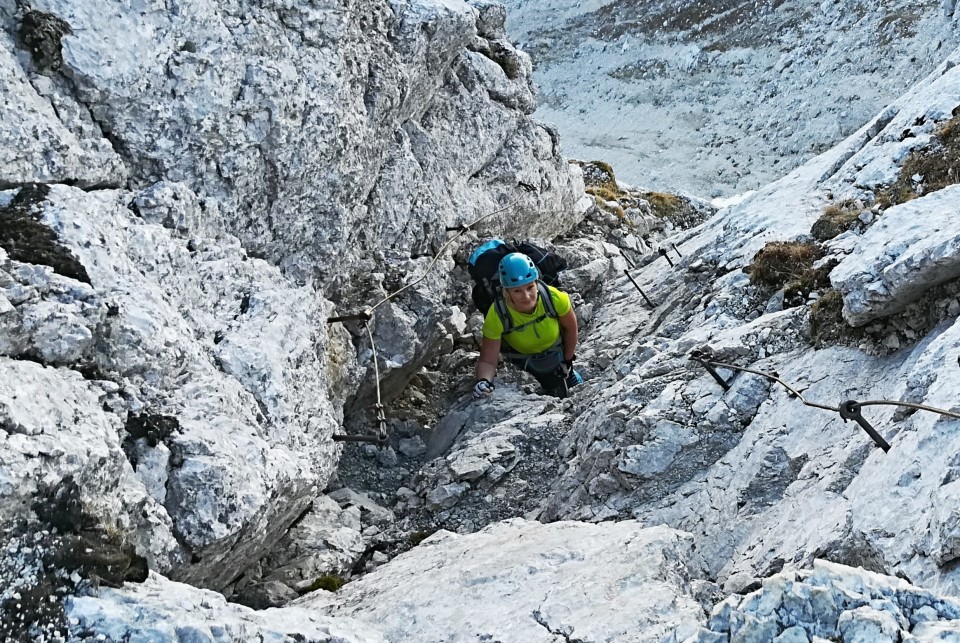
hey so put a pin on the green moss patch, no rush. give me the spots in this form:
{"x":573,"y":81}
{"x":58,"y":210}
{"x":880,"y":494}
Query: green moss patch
{"x":26,"y":239}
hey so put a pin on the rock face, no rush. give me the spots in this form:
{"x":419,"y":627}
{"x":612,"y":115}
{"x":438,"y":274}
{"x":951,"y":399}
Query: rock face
{"x":715,"y":98}
{"x":196,"y":357}
{"x":314,"y":136}
{"x":759,"y":477}
{"x":188,"y":194}
{"x":168,"y":379}
{"x":523,"y":581}
{"x":164,"y":611}
{"x":911,"y":249}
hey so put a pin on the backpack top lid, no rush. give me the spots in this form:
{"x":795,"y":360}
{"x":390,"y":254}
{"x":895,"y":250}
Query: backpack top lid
{"x":489,"y":245}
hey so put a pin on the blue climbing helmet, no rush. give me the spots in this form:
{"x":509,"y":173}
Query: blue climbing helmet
{"x":517,"y":269}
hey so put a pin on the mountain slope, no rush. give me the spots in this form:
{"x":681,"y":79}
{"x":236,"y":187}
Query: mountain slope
{"x":717,"y":98}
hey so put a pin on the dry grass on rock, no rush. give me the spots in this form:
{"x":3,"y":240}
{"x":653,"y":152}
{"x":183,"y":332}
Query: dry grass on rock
{"x":927,"y":170}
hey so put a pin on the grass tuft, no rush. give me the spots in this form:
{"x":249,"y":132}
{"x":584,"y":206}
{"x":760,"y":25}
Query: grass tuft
{"x":835,"y":220}
{"x":937,"y":167}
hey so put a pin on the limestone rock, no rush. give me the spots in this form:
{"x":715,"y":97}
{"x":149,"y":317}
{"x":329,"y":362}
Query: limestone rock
{"x":831,"y":601}
{"x":913,"y":247}
{"x":326,"y":541}
{"x":165,"y":611}
{"x":529,"y":582}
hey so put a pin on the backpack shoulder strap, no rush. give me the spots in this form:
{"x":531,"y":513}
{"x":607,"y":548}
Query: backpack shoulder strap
{"x":500,"y":306}
{"x":549,"y":309}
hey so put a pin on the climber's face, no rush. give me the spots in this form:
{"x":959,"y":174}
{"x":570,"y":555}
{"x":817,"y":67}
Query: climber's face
{"x":523,"y":299}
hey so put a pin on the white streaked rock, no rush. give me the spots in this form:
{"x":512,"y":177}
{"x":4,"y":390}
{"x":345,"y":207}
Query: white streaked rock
{"x":521,"y":581}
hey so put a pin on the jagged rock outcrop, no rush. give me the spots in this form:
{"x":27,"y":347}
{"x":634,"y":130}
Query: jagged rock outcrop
{"x":832,"y":602}
{"x":198,"y":363}
{"x":253,"y":165}
{"x":164,"y":611}
{"x":315,"y":134}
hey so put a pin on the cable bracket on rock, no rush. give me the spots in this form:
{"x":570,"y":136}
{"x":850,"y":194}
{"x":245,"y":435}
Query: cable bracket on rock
{"x":702,"y":358}
{"x":382,"y":436}
{"x":640,"y":290}
{"x":364,"y":315}
{"x":850,"y":410}
{"x":663,"y":253}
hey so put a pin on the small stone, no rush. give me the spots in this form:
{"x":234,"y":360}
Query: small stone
{"x":412,"y":447}
{"x":387,"y":457}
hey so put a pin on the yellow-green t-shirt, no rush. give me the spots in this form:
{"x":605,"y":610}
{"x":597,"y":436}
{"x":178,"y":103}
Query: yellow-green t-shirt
{"x":535,"y":338}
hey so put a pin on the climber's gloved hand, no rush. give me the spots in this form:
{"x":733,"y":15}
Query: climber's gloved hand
{"x":566,"y":366}
{"x":483,"y":388}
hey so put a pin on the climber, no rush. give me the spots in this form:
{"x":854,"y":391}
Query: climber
{"x":539,"y":327}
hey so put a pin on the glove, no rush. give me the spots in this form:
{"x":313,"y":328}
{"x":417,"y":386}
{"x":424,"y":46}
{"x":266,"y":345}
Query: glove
{"x":484,"y":388}
{"x":566,"y":366}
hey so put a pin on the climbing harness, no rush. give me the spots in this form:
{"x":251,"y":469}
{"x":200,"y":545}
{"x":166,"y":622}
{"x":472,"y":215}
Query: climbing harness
{"x":848,"y":410}
{"x":366,"y":316}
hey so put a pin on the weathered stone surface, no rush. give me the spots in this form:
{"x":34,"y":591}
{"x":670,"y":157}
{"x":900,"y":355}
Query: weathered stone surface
{"x":523,"y":581}
{"x":371,"y":512}
{"x":201,"y":333}
{"x":326,"y":541}
{"x":60,"y":431}
{"x":832,"y":601}
{"x":913,"y":247}
{"x":167,"y":612}
{"x":313,"y":167}
{"x":47,"y":136}
{"x":263,"y":595}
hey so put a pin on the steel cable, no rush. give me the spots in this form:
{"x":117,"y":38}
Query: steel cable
{"x":795,"y":393}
